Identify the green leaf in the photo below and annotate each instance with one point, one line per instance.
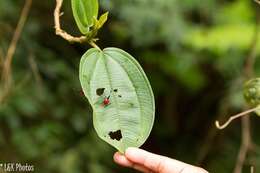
(115, 75)
(84, 12)
(102, 20)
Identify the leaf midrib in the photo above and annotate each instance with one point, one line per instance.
(111, 87)
(138, 99)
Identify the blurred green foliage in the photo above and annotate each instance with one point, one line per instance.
(193, 53)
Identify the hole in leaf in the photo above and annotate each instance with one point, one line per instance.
(100, 91)
(115, 90)
(117, 135)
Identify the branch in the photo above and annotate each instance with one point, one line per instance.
(245, 146)
(248, 73)
(7, 71)
(61, 32)
(252, 169)
(257, 1)
(10, 52)
(64, 34)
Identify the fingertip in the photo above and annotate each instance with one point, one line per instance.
(116, 156)
(122, 160)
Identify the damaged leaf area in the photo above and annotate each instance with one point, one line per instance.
(117, 135)
(100, 91)
(114, 77)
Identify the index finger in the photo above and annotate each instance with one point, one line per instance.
(159, 163)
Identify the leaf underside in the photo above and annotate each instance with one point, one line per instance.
(127, 120)
(84, 12)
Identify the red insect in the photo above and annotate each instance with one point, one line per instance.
(106, 101)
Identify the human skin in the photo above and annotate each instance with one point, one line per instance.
(147, 162)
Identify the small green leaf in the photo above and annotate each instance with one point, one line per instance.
(126, 118)
(102, 20)
(84, 12)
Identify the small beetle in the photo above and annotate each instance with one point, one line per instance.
(106, 101)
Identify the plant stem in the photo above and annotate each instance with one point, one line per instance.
(64, 34)
(93, 44)
(235, 117)
(6, 76)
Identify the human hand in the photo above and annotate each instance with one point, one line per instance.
(147, 162)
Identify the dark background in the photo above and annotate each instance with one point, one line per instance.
(192, 51)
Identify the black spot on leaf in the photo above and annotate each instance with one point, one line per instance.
(115, 90)
(100, 91)
(117, 135)
(119, 96)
